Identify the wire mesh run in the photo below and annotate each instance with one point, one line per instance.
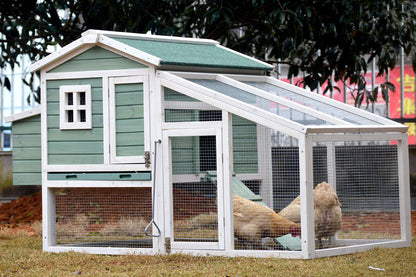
(356, 190)
(103, 217)
(355, 186)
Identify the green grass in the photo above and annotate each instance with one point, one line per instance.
(22, 255)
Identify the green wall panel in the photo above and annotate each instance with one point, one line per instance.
(27, 166)
(97, 58)
(26, 141)
(130, 125)
(131, 139)
(172, 95)
(129, 110)
(185, 155)
(95, 134)
(27, 179)
(64, 147)
(75, 159)
(83, 146)
(29, 153)
(244, 146)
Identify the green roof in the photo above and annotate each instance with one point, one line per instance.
(194, 54)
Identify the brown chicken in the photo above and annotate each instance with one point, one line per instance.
(253, 221)
(328, 216)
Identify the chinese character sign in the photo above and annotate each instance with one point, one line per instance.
(409, 98)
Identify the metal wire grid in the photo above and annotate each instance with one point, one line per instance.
(103, 217)
(367, 183)
(194, 190)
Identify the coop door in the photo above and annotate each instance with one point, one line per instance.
(194, 174)
(129, 119)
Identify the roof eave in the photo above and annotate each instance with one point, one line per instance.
(22, 115)
(73, 46)
(95, 39)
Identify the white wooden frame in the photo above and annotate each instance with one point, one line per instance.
(188, 105)
(167, 163)
(113, 81)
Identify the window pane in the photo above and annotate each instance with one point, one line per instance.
(70, 116)
(70, 99)
(82, 116)
(82, 98)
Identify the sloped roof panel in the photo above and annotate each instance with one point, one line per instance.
(194, 54)
(261, 102)
(291, 108)
(314, 104)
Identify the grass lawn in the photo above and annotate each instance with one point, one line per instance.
(22, 255)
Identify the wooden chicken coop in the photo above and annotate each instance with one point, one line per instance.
(149, 144)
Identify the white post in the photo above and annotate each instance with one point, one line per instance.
(404, 190)
(227, 144)
(306, 197)
(331, 166)
(264, 150)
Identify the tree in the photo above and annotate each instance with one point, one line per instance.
(323, 39)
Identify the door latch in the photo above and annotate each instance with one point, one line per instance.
(147, 158)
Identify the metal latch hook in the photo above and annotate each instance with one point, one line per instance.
(153, 199)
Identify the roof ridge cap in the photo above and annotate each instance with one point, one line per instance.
(127, 35)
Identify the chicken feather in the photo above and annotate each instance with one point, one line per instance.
(253, 221)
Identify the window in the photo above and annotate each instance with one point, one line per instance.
(75, 107)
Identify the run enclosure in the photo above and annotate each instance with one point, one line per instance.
(236, 148)
(300, 140)
(266, 141)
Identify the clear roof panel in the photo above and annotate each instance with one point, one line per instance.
(312, 103)
(260, 102)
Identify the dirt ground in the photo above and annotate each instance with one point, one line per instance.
(21, 213)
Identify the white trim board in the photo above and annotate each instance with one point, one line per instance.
(22, 115)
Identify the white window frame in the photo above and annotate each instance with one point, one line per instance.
(113, 81)
(75, 107)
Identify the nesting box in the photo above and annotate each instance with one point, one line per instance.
(149, 144)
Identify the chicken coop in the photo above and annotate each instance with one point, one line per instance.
(150, 144)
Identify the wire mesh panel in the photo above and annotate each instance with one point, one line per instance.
(356, 190)
(194, 189)
(367, 182)
(269, 184)
(103, 217)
